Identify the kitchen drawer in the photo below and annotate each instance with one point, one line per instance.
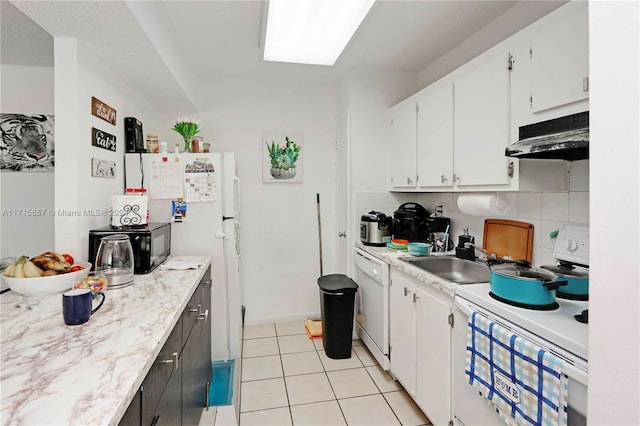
(192, 311)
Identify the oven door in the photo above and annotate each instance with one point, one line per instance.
(469, 408)
(372, 305)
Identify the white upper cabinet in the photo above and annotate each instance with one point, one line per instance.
(403, 146)
(559, 55)
(482, 123)
(435, 138)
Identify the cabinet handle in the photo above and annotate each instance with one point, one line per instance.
(585, 84)
(173, 360)
(198, 311)
(456, 177)
(406, 291)
(206, 396)
(415, 297)
(204, 316)
(409, 181)
(443, 179)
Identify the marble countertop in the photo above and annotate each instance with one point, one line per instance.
(423, 277)
(88, 374)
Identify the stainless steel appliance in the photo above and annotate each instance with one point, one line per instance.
(151, 244)
(564, 138)
(372, 305)
(561, 332)
(115, 260)
(375, 229)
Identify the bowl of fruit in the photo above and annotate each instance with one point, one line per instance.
(45, 274)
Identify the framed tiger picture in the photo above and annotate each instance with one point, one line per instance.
(27, 142)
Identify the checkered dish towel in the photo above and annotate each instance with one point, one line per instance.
(522, 381)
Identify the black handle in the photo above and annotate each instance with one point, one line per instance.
(523, 263)
(554, 285)
(416, 207)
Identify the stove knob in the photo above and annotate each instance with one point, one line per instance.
(572, 245)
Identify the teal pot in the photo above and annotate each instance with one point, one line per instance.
(577, 278)
(523, 285)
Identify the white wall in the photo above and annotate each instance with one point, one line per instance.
(279, 232)
(26, 90)
(614, 314)
(79, 75)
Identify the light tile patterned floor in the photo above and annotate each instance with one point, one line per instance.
(287, 379)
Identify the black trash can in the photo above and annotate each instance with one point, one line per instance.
(337, 297)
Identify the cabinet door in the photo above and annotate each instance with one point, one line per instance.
(433, 332)
(402, 317)
(169, 409)
(435, 138)
(481, 123)
(560, 59)
(196, 360)
(403, 147)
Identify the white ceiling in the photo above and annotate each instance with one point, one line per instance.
(172, 44)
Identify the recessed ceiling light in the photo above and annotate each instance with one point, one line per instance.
(311, 31)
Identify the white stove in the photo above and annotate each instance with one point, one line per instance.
(558, 327)
(557, 331)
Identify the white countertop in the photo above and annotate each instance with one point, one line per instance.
(88, 374)
(393, 258)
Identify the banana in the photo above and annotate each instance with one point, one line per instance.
(31, 270)
(9, 271)
(19, 271)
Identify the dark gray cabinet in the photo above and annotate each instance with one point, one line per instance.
(175, 390)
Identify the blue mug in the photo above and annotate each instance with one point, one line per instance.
(77, 305)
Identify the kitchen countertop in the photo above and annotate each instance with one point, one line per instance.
(88, 374)
(393, 259)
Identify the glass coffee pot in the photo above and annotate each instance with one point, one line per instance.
(115, 260)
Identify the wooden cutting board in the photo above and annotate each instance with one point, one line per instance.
(508, 238)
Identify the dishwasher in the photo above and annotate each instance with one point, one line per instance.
(372, 305)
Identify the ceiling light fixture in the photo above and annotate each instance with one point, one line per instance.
(311, 31)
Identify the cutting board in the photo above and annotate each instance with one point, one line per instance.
(508, 238)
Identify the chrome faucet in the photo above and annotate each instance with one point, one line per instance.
(483, 251)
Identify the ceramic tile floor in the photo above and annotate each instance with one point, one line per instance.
(288, 379)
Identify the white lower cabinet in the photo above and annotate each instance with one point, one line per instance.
(421, 344)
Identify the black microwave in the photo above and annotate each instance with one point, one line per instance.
(151, 244)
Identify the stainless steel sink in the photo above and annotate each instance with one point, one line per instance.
(451, 268)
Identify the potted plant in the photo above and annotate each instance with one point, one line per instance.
(187, 128)
(283, 158)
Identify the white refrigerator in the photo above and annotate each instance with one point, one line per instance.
(208, 184)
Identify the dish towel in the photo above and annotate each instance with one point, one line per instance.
(522, 381)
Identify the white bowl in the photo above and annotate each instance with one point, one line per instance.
(44, 286)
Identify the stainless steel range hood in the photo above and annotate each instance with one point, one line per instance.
(564, 138)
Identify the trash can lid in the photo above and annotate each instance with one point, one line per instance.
(337, 283)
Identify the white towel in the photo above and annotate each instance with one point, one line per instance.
(522, 381)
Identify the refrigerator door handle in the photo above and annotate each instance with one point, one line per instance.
(223, 234)
(236, 188)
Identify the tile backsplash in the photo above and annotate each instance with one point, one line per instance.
(547, 211)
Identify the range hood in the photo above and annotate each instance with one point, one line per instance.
(564, 138)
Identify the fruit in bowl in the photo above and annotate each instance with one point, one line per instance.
(93, 280)
(25, 277)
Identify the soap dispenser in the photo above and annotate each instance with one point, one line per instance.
(463, 252)
(465, 238)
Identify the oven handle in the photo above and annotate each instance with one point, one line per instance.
(577, 374)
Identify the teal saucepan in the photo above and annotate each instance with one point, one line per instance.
(577, 278)
(522, 284)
